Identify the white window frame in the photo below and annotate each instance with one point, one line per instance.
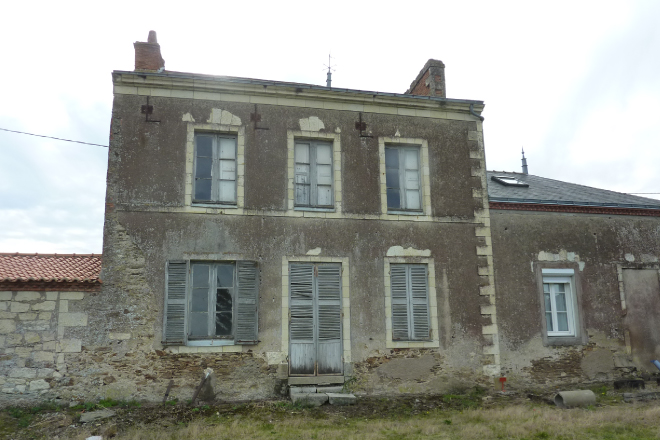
(312, 174)
(217, 171)
(401, 173)
(554, 278)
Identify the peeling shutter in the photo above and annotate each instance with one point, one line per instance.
(328, 284)
(174, 322)
(247, 299)
(301, 319)
(398, 286)
(419, 301)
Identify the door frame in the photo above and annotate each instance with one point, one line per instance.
(345, 303)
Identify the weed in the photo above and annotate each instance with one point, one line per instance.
(172, 402)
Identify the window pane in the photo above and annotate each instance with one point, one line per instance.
(325, 195)
(200, 300)
(225, 275)
(302, 194)
(324, 174)
(562, 321)
(411, 159)
(202, 189)
(392, 178)
(228, 170)
(302, 153)
(227, 191)
(302, 173)
(392, 158)
(323, 154)
(393, 198)
(223, 324)
(548, 304)
(560, 302)
(412, 180)
(200, 276)
(412, 200)
(204, 146)
(203, 167)
(199, 324)
(223, 300)
(548, 321)
(227, 148)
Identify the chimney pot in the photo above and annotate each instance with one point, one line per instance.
(147, 55)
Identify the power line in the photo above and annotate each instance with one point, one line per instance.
(51, 137)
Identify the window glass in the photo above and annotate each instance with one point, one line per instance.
(402, 178)
(215, 169)
(313, 180)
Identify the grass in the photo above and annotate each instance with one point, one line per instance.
(522, 422)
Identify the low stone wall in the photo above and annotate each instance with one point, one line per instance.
(34, 342)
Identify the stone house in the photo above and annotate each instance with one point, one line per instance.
(44, 304)
(291, 234)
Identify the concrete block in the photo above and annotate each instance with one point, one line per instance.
(310, 399)
(39, 384)
(327, 390)
(301, 390)
(20, 389)
(69, 346)
(44, 306)
(32, 337)
(7, 326)
(96, 415)
(5, 295)
(51, 296)
(17, 307)
(2, 342)
(23, 373)
(341, 399)
(43, 356)
(72, 295)
(72, 319)
(27, 296)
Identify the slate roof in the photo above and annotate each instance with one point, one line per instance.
(554, 192)
(50, 268)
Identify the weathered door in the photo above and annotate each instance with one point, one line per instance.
(315, 319)
(642, 290)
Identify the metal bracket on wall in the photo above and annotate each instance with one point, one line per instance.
(148, 109)
(256, 117)
(361, 125)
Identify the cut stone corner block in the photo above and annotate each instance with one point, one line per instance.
(311, 399)
(341, 399)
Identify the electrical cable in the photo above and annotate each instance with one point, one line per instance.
(51, 137)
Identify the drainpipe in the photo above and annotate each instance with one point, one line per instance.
(473, 113)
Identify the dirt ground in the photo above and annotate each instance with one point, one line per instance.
(56, 422)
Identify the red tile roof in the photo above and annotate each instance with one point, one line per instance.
(84, 268)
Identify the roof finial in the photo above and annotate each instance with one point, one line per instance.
(524, 162)
(328, 81)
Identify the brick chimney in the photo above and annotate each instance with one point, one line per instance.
(147, 55)
(430, 81)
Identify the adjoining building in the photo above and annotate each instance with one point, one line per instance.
(292, 234)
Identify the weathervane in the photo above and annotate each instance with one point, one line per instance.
(328, 81)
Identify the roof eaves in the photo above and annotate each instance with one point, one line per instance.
(572, 203)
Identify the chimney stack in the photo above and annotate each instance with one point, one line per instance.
(430, 81)
(147, 55)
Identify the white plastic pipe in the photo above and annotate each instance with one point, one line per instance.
(571, 399)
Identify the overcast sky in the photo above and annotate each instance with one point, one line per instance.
(576, 83)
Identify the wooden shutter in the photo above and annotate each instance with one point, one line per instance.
(302, 355)
(398, 289)
(329, 339)
(419, 300)
(247, 299)
(174, 322)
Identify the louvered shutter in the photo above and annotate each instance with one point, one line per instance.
(419, 300)
(247, 299)
(174, 322)
(328, 292)
(301, 319)
(398, 288)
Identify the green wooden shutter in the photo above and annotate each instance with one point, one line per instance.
(419, 300)
(247, 300)
(174, 321)
(398, 289)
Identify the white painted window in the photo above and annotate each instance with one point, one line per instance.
(211, 303)
(403, 178)
(559, 301)
(215, 169)
(313, 174)
(410, 302)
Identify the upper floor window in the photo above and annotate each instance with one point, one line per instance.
(215, 169)
(402, 178)
(313, 174)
